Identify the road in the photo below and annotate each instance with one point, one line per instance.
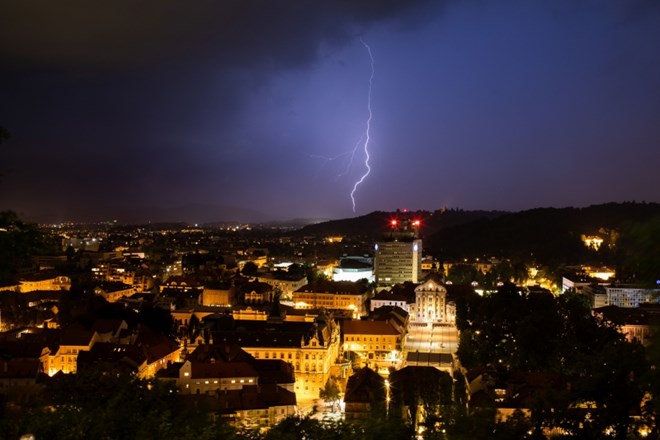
(439, 338)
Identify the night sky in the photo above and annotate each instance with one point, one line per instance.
(130, 106)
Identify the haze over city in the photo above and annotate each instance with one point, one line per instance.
(123, 107)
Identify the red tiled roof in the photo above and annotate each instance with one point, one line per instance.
(369, 328)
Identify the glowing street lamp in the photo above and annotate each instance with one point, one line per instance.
(387, 398)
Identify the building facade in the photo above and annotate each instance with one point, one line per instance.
(430, 303)
(378, 343)
(311, 348)
(398, 256)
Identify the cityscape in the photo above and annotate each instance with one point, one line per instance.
(369, 220)
(256, 331)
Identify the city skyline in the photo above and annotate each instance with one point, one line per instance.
(259, 105)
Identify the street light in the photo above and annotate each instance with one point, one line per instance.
(387, 398)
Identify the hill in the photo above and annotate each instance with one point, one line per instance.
(547, 235)
(373, 225)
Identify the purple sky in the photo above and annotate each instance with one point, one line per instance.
(482, 104)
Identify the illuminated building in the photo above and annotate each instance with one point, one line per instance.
(310, 347)
(430, 303)
(64, 358)
(286, 285)
(387, 298)
(592, 241)
(218, 294)
(377, 342)
(113, 292)
(354, 269)
(45, 280)
(630, 296)
(256, 292)
(333, 295)
(398, 257)
(634, 323)
(255, 391)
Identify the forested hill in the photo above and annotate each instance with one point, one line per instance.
(376, 223)
(551, 235)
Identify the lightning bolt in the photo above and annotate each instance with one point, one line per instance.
(365, 136)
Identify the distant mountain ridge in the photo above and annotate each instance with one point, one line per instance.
(190, 213)
(542, 234)
(376, 223)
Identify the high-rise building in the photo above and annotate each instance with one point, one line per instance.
(398, 256)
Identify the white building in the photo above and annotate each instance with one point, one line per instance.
(354, 269)
(430, 303)
(630, 296)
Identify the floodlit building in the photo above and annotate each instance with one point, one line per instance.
(630, 296)
(430, 303)
(248, 391)
(113, 291)
(398, 256)
(386, 298)
(218, 294)
(354, 269)
(333, 295)
(634, 323)
(64, 357)
(285, 284)
(45, 280)
(310, 347)
(378, 343)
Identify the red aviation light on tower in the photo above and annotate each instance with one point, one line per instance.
(394, 222)
(416, 223)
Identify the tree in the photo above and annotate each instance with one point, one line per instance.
(95, 404)
(296, 270)
(19, 242)
(331, 392)
(249, 269)
(642, 245)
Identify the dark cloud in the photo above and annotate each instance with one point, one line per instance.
(125, 33)
(478, 104)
